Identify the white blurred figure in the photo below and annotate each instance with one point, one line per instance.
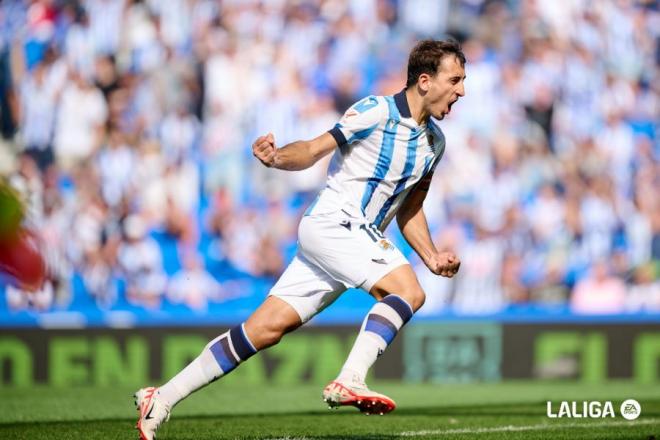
(224, 62)
(116, 163)
(599, 293)
(223, 155)
(317, 114)
(478, 284)
(483, 80)
(179, 130)
(39, 301)
(503, 188)
(37, 110)
(81, 115)
(617, 142)
(598, 217)
(644, 294)
(303, 35)
(79, 46)
(172, 198)
(141, 261)
(546, 214)
(193, 285)
(425, 17)
(174, 20)
(140, 38)
(105, 23)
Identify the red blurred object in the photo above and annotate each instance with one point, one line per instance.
(21, 259)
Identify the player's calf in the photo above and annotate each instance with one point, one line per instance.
(379, 329)
(220, 356)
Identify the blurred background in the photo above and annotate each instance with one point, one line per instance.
(127, 129)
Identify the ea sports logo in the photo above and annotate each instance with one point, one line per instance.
(630, 409)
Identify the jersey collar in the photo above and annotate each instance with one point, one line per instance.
(402, 104)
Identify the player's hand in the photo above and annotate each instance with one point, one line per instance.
(445, 264)
(264, 149)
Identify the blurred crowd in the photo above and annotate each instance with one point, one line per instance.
(127, 124)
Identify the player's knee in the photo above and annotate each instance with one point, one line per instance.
(272, 337)
(419, 297)
(271, 332)
(266, 335)
(415, 297)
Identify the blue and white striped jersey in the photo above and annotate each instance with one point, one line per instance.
(382, 154)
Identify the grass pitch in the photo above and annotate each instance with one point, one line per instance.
(513, 410)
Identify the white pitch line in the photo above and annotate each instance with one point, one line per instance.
(289, 438)
(513, 428)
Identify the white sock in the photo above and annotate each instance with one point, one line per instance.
(379, 328)
(219, 357)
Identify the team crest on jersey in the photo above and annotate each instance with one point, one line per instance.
(385, 245)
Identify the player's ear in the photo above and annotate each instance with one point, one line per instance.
(423, 82)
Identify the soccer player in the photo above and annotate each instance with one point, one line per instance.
(385, 151)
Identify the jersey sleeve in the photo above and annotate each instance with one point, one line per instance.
(359, 121)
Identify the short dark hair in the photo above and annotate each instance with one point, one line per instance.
(427, 55)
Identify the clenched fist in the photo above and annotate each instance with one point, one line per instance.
(445, 264)
(264, 149)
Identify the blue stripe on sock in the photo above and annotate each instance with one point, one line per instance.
(400, 306)
(241, 345)
(381, 326)
(223, 355)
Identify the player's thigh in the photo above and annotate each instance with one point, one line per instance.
(351, 251)
(306, 288)
(403, 282)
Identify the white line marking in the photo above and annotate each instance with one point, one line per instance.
(513, 428)
(289, 438)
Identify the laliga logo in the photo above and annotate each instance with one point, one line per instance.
(630, 410)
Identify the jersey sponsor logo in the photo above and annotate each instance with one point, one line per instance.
(379, 260)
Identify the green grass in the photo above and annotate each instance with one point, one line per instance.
(513, 410)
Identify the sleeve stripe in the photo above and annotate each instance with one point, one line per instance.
(336, 133)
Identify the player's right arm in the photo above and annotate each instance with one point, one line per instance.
(359, 121)
(295, 156)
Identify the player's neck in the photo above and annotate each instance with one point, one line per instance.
(416, 106)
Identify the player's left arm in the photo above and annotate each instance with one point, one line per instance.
(414, 227)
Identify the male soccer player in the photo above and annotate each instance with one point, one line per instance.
(386, 149)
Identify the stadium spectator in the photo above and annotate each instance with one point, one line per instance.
(599, 293)
(140, 259)
(81, 116)
(193, 285)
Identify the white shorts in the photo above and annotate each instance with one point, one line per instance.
(336, 251)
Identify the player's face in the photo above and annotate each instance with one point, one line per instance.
(444, 89)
